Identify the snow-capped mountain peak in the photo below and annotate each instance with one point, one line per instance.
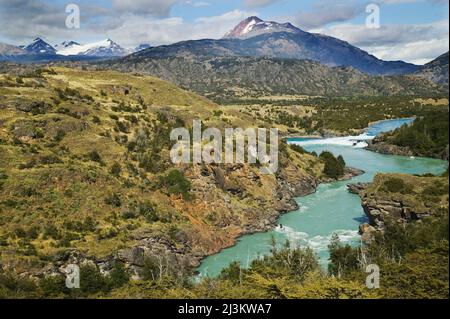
(141, 47)
(65, 44)
(39, 46)
(104, 48)
(254, 26)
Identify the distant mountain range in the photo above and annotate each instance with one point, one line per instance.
(260, 57)
(224, 79)
(105, 48)
(10, 50)
(436, 70)
(254, 37)
(41, 51)
(253, 40)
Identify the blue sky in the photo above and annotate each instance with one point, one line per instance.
(411, 30)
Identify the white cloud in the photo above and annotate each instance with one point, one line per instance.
(419, 52)
(170, 30)
(417, 43)
(158, 8)
(326, 12)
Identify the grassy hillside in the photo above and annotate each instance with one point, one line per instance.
(227, 78)
(85, 177)
(436, 70)
(85, 173)
(412, 256)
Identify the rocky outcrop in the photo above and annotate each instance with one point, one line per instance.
(357, 188)
(379, 210)
(400, 198)
(420, 198)
(379, 146)
(367, 233)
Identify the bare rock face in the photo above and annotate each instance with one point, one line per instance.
(367, 233)
(381, 147)
(421, 198)
(133, 256)
(378, 210)
(357, 188)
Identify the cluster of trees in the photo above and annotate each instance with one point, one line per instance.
(94, 283)
(334, 167)
(427, 136)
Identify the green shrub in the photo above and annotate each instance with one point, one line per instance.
(333, 167)
(298, 149)
(114, 200)
(116, 169)
(436, 190)
(96, 120)
(14, 286)
(60, 134)
(91, 280)
(50, 231)
(341, 161)
(396, 185)
(107, 233)
(148, 211)
(343, 258)
(176, 184)
(54, 286)
(50, 159)
(118, 276)
(232, 273)
(95, 157)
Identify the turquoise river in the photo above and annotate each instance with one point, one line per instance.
(332, 209)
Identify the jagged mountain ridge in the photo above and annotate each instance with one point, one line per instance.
(39, 46)
(254, 26)
(437, 70)
(105, 48)
(40, 51)
(258, 38)
(256, 76)
(8, 50)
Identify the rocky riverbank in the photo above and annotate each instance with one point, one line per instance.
(229, 201)
(188, 249)
(400, 198)
(379, 146)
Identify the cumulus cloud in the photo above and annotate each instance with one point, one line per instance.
(22, 20)
(148, 21)
(170, 30)
(417, 43)
(327, 12)
(158, 8)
